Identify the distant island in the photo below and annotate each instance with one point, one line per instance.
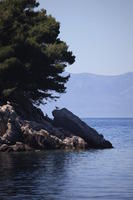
(91, 95)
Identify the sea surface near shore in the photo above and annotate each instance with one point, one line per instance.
(74, 175)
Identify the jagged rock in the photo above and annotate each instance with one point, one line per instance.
(66, 119)
(5, 147)
(75, 142)
(42, 140)
(7, 114)
(28, 129)
(13, 132)
(3, 125)
(19, 146)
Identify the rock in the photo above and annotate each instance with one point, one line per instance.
(13, 132)
(7, 114)
(19, 146)
(5, 147)
(3, 125)
(28, 129)
(42, 140)
(75, 142)
(66, 119)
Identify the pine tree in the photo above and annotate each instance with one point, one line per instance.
(32, 56)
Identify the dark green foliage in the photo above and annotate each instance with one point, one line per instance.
(32, 57)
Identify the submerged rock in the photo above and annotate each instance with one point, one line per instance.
(66, 131)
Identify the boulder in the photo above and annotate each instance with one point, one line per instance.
(19, 146)
(28, 130)
(7, 114)
(66, 119)
(6, 148)
(42, 140)
(75, 142)
(13, 132)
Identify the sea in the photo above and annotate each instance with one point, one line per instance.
(73, 175)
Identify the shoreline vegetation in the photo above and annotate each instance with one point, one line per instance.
(30, 130)
(32, 61)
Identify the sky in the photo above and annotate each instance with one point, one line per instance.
(99, 32)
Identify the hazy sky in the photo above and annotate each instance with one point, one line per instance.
(99, 32)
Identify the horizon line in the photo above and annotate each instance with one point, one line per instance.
(89, 73)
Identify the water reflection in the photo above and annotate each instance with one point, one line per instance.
(59, 175)
(37, 174)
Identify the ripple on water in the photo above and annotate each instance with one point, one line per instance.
(95, 174)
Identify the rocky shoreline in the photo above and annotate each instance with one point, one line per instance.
(22, 130)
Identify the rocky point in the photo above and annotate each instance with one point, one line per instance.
(28, 131)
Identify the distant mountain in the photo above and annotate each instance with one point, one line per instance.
(90, 95)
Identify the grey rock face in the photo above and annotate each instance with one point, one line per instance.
(74, 124)
(75, 142)
(66, 131)
(10, 130)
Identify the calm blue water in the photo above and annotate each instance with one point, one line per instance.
(59, 175)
